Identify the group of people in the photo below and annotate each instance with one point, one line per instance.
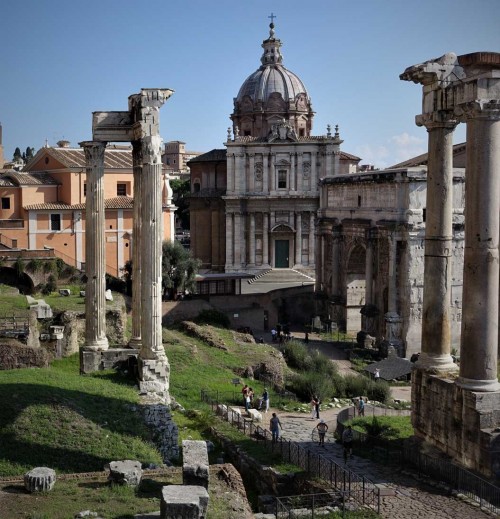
(315, 403)
(248, 397)
(281, 334)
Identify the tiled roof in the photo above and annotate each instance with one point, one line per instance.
(27, 178)
(348, 156)
(215, 154)
(421, 160)
(75, 157)
(119, 202)
(6, 181)
(390, 368)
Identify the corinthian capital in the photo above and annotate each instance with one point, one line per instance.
(479, 109)
(437, 119)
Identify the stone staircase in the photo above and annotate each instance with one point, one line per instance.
(285, 276)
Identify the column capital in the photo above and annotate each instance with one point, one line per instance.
(94, 152)
(151, 149)
(479, 109)
(439, 119)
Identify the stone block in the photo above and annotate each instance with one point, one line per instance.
(255, 415)
(126, 472)
(385, 491)
(40, 479)
(65, 292)
(195, 466)
(183, 502)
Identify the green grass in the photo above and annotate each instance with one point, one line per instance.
(391, 427)
(56, 417)
(12, 303)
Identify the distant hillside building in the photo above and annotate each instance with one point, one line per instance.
(43, 206)
(176, 158)
(253, 204)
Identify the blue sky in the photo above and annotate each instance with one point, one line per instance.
(61, 61)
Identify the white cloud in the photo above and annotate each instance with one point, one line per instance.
(396, 149)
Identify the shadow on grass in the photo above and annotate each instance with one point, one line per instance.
(73, 430)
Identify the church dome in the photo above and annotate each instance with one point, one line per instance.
(270, 95)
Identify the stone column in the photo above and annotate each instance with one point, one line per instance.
(312, 246)
(135, 341)
(314, 171)
(154, 370)
(265, 173)
(251, 172)
(300, 171)
(479, 340)
(436, 321)
(229, 242)
(237, 241)
(292, 171)
(95, 256)
(336, 261)
(230, 172)
(318, 255)
(392, 318)
(251, 249)
(298, 239)
(265, 239)
(369, 269)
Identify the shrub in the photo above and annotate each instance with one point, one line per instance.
(379, 391)
(19, 266)
(310, 383)
(116, 284)
(214, 318)
(35, 265)
(50, 286)
(296, 355)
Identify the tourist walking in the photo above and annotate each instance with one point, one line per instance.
(322, 428)
(318, 402)
(274, 426)
(361, 407)
(347, 438)
(313, 408)
(306, 338)
(265, 400)
(376, 375)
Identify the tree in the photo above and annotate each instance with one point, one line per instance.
(181, 188)
(178, 268)
(28, 154)
(17, 154)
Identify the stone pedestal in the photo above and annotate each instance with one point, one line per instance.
(183, 501)
(154, 376)
(195, 464)
(126, 472)
(40, 479)
(459, 422)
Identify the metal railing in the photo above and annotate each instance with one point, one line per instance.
(463, 481)
(355, 487)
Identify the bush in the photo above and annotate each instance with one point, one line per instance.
(116, 284)
(379, 391)
(361, 386)
(214, 318)
(50, 286)
(310, 383)
(296, 355)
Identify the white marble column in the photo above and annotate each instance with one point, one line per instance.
(265, 239)
(329, 164)
(154, 370)
(95, 255)
(135, 341)
(229, 242)
(392, 285)
(298, 239)
(436, 321)
(251, 249)
(479, 340)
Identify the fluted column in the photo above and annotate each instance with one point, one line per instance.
(479, 340)
(243, 239)
(300, 172)
(436, 321)
(95, 256)
(314, 171)
(237, 241)
(292, 171)
(392, 285)
(135, 341)
(298, 239)
(318, 255)
(265, 239)
(230, 172)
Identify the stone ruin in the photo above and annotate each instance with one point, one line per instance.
(459, 412)
(140, 126)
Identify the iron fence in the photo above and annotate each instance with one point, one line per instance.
(355, 487)
(461, 480)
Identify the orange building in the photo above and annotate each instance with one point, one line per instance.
(43, 206)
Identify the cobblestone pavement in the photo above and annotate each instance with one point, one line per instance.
(413, 499)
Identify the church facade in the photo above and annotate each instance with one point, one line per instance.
(254, 204)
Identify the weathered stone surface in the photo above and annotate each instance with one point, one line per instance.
(166, 432)
(40, 479)
(195, 467)
(183, 502)
(126, 472)
(255, 415)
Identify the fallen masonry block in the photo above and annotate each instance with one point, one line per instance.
(40, 479)
(183, 501)
(195, 463)
(255, 415)
(126, 472)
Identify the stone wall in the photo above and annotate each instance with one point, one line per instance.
(15, 355)
(166, 433)
(459, 422)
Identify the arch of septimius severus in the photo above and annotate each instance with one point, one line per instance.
(140, 126)
(460, 412)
